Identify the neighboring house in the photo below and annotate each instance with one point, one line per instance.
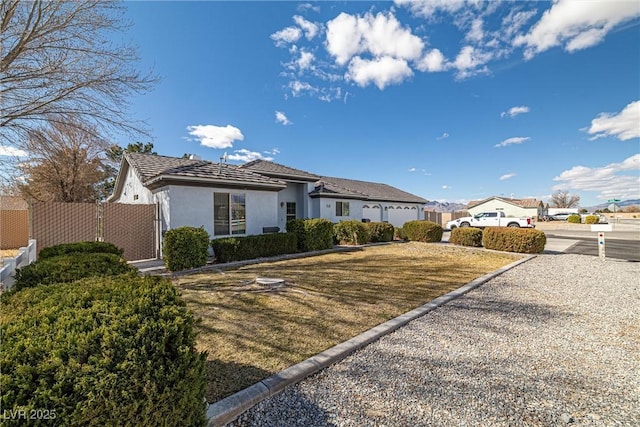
(253, 198)
(512, 207)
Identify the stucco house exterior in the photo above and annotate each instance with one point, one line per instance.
(252, 198)
(532, 208)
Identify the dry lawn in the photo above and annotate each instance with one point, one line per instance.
(251, 331)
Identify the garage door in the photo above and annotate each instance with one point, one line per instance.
(372, 212)
(401, 214)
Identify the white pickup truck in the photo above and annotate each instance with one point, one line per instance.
(490, 219)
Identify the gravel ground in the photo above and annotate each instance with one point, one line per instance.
(554, 341)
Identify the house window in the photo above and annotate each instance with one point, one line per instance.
(291, 211)
(229, 214)
(342, 208)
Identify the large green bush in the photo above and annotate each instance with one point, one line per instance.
(380, 231)
(250, 247)
(185, 247)
(116, 351)
(70, 267)
(296, 226)
(523, 240)
(422, 231)
(79, 247)
(592, 219)
(467, 236)
(574, 219)
(351, 232)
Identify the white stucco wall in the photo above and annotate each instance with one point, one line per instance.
(328, 209)
(193, 206)
(507, 208)
(133, 187)
(296, 193)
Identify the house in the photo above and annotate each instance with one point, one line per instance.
(253, 198)
(512, 207)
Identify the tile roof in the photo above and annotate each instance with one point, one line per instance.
(275, 169)
(523, 203)
(152, 167)
(363, 190)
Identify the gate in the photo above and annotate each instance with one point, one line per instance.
(130, 227)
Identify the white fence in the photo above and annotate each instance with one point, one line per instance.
(26, 256)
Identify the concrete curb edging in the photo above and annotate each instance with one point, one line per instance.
(226, 410)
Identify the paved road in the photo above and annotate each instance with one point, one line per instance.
(614, 248)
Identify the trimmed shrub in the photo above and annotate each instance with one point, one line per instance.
(71, 267)
(467, 236)
(380, 231)
(108, 351)
(422, 231)
(523, 240)
(79, 247)
(185, 247)
(296, 226)
(318, 234)
(250, 247)
(591, 219)
(574, 219)
(351, 232)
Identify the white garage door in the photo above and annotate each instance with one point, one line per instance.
(401, 214)
(372, 212)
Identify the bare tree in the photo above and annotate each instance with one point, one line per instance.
(59, 64)
(562, 199)
(66, 164)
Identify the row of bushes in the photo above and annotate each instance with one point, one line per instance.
(99, 345)
(589, 219)
(522, 240)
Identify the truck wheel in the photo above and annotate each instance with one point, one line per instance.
(453, 227)
(464, 224)
(514, 225)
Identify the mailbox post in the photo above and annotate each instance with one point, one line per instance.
(601, 245)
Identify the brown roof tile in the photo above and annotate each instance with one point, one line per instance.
(363, 190)
(277, 170)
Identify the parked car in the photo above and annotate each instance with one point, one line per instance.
(561, 216)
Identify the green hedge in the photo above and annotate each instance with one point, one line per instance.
(351, 232)
(380, 231)
(250, 247)
(79, 247)
(467, 236)
(108, 351)
(312, 234)
(592, 219)
(185, 247)
(422, 231)
(523, 240)
(71, 267)
(574, 219)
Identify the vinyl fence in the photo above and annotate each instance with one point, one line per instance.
(442, 218)
(26, 255)
(14, 228)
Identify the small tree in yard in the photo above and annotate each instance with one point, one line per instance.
(562, 199)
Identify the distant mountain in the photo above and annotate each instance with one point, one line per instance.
(437, 206)
(622, 204)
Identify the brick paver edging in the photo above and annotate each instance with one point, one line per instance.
(229, 408)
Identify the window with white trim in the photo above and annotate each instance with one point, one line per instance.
(342, 208)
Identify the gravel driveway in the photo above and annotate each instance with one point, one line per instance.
(554, 341)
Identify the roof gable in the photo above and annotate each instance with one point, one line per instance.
(522, 203)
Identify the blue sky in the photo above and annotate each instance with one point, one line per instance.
(449, 100)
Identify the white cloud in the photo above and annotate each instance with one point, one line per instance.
(216, 136)
(432, 61)
(511, 141)
(624, 125)
(381, 71)
(411, 169)
(443, 136)
(272, 152)
(307, 7)
(12, 151)
(514, 111)
(282, 118)
(446, 187)
(611, 181)
(428, 8)
(475, 34)
(575, 24)
(305, 60)
(310, 29)
(298, 87)
(380, 36)
(507, 176)
(470, 61)
(245, 155)
(287, 35)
